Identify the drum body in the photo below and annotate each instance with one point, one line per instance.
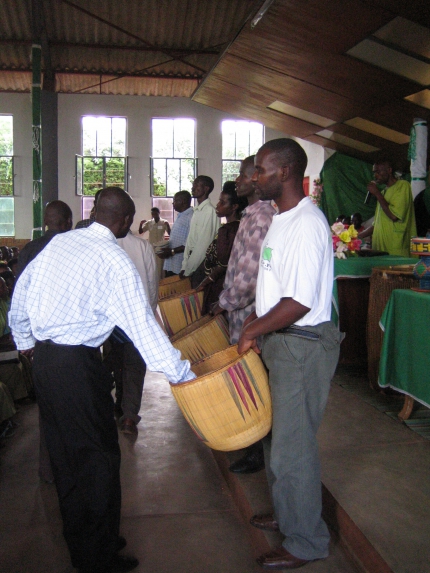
(228, 405)
(180, 310)
(173, 285)
(382, 282)
(204, 337)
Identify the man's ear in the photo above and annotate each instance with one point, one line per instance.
(285, 172)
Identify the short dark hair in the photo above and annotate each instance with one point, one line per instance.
(288, 152)
(207, 182)
(184, 196)
(229, 188)
(384, 161)
(155, 209)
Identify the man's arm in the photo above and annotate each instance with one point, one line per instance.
(385, 206)
(282, 315)
(19, 321)
(143, 226)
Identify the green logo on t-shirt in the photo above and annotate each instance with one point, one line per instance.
(267, 254)
(266, 258)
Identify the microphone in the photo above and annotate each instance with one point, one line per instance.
(366, 200)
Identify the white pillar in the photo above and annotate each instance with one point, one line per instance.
(418, 155)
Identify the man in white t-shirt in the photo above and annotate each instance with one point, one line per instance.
(300, 347)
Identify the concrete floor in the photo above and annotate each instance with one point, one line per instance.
(179, 514)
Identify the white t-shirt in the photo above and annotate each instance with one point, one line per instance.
(296, 261)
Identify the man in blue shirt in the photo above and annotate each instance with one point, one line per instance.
(174, 252)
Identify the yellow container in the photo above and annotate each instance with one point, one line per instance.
(180, 310)
(173, 285)
(228, 405)
(207, 335)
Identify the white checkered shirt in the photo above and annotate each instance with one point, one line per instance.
(78, 289)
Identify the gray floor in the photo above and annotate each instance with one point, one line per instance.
(179, 515)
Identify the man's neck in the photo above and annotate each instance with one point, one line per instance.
(252, 198)
(201, 199)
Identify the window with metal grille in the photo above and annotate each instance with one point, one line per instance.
(173, 163)
(240, 139)
(103, 162)
(7, 202)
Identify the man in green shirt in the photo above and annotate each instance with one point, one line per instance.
(394, 223)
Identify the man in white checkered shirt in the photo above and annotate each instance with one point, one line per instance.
(66, 304)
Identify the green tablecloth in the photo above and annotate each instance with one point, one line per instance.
(405, 356)
(361, 267)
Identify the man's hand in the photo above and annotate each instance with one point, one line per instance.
(165, 253)
(245, 343)
(182, 275)
(373, 189)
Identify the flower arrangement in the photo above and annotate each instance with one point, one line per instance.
(316, 192)
(345, 242)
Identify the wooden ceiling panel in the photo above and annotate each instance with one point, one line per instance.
(338, 73)
(224, 96)
(271, 86)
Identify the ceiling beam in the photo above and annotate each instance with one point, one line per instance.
(178, 51)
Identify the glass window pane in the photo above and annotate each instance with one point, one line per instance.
(89, 135)
(6, 135)
(166, 208)
(118, 136)
(242, 139)
(7, 227)
(188, 170)
(115, 172)
(87, 205)
(173, 176)
(184, 138)
(6, 176)
(159, 177)
(230, 170)
(162, 138)
(93, 174)
(228, 129)
(255, 137)
(104, 136)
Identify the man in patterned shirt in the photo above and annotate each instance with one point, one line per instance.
(238, 296)
(65, 305)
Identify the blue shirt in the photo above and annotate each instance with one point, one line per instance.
(178, 237)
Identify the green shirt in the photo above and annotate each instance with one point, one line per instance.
(395, 236)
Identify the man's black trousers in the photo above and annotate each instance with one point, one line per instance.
(73, 390)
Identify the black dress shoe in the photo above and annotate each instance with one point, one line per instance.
(252, 461)
(121, 564)
(280, 558)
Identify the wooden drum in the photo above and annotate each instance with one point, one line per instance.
(180, 310)
(382, 282)
(228, 405)
(204, 337)
(173, 285)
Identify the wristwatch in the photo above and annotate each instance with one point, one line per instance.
(173, 252)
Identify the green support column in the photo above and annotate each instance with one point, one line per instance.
(36, 58)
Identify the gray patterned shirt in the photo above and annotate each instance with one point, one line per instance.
(238, 296)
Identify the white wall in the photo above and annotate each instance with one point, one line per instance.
(139, 112)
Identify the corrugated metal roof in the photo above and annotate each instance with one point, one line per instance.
(170, 44)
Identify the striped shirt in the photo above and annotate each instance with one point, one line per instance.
(78, 289)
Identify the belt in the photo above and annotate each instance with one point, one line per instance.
(300, 332)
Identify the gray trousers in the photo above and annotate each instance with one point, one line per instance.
(300, 371)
